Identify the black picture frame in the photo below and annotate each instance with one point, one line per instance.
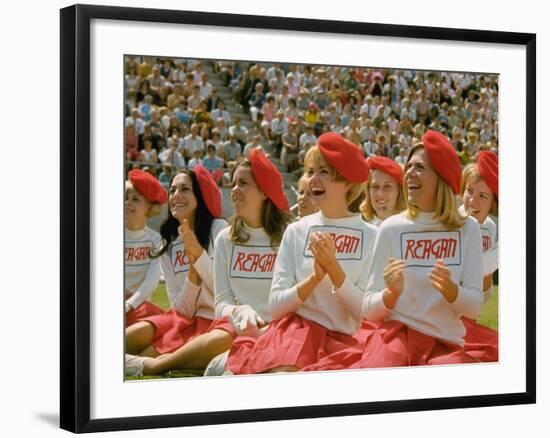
(75, 216)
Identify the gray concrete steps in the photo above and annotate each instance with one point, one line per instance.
(234, 109)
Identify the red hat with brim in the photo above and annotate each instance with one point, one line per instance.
(148, 186)
(487, 165)
(344, 156)
(209, 191)
(388, 166)
(268, 178)
(444, 158)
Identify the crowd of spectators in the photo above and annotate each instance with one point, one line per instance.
(175, 117)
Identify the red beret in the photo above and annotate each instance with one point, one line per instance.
(388, 166)
(268, 178)
(444, 158)
(148, 186)
(487, 165)
(209, 190)
(344, 156)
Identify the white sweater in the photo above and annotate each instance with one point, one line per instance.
(243, 272)
(490, 244)
(188, 298)
(420, 242)
(141, 272)
(338, 310)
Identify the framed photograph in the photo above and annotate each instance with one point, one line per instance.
(137, 84)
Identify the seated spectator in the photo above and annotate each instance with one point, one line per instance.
(201, 117)
(402, 157)
(291, 113)
(282, 99)
(194, 100)
(213, 100)
(368, 107)
(239, 131)
(192, 142)
(308, 137)
(366, 130)
(148, 154)
(212, 162)
(312, 115)
(165, 176)
(131, 143)
(205, 87)
(369, 147)
(269, 110)
(178, 74)
(256, 101)
(136, 120)
(289, 154)
(217, 142)
(302, 102)
(232, 149)
(279, 125)
(321, 99)
(255, 144)
(292, 85)
(146, 107)
(171, 156)
(220, 111)
(196, 160)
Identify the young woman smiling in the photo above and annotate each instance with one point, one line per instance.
(384, 195)
(187, 336)
(320, 271)
(479, 191)
(246, 251)
(426, 271)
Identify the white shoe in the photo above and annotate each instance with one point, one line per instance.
(133, 365)
(216, 367)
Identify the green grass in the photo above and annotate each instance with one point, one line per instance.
(489, 315)
(160, 297)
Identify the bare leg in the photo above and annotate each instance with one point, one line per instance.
(149, 352)
(194, 355)
(139, 336)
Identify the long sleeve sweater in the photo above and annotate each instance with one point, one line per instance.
(419, 243)
(141, 272)
(335, 309)
(186, 297)
(243, 272)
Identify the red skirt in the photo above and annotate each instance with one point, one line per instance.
(290, 341)
(174, 329)
(480, 341)
(394, 344)
(346, 358)
(144, 310)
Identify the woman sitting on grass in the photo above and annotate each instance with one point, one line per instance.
(144, 199)
(479, 191)
(427, 269)
(187, 336)
(384, 191)
(320, 272)
(246, 251)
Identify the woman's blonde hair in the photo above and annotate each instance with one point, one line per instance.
(154, 208)
(471, 175)
(314, 157)
(446, 207)
(366, 208)
(274, 221)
